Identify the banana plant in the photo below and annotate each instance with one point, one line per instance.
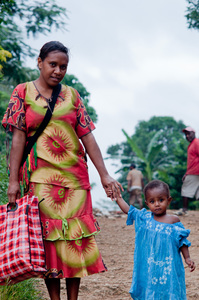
(148, 159)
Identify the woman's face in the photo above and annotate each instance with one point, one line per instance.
(53, 68)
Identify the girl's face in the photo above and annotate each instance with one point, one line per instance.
(157, 201)
(53, 68)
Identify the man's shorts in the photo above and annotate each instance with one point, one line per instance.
(190, 186)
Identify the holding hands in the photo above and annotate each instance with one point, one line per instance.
(112, 187)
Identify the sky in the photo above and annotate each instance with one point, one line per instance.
(137, 59)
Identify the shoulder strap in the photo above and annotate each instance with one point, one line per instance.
(44, 123)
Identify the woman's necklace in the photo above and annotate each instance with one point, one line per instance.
(48, 100)
(40, 95)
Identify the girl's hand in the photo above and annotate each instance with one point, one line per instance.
(190, 263)
(109, 193)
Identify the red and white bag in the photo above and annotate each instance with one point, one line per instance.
(22, 253)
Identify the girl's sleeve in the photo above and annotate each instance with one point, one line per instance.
(15, 113)
(132, 213)
(84, 123)
(181, 235)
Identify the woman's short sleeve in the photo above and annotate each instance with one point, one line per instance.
(181, 235)
(15, 113)
(84, 123)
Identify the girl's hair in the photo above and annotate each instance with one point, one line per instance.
(52, 46)
(157, 184)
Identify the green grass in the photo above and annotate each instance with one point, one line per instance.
(25, 290)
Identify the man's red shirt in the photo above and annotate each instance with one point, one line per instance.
(193, 158)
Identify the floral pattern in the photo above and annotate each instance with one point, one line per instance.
(164, 271)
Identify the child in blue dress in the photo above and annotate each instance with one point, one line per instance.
(160, 238)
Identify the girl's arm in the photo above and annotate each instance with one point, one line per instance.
(185, 252)
(16, 154)
(95, 155)
(123, 205)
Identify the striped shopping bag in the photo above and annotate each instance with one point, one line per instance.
(22, 253)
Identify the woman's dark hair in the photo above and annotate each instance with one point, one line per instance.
(52, 46)
(157, 184)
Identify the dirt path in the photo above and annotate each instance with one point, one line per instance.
(116, 243)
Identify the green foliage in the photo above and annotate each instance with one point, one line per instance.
(25, 290)
(3, 58)
(7, 8)
(193, 14)
(37, 17)
(3, 180)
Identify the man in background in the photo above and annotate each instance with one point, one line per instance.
(190, 186)
(135, 185)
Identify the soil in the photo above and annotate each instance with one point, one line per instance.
(116, 244)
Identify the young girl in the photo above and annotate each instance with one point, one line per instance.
(158, 268)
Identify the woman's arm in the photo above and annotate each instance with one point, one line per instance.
(185, 252)
(95, 155)
(16, 154)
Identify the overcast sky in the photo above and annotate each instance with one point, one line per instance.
(137, 58)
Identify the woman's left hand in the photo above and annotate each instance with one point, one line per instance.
(112, 187)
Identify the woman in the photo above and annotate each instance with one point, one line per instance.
(56, 171)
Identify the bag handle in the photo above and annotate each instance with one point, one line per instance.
(44, 123)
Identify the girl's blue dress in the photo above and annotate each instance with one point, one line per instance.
(158, 272)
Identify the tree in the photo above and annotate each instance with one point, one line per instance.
(193, 14)
(37, 17)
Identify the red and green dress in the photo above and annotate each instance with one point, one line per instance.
(56, 172)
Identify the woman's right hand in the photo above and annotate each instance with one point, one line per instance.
(14, 192)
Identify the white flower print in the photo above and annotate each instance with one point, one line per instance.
(150, 260)
(169, 260)
(177, 228)
(148, 215)
(167, 270)
(154, 280)
(160, 263)
(159, 227)
(163, 279)
(148, 224)
(168, 230)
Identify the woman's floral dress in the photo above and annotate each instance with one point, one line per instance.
(56, 172)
